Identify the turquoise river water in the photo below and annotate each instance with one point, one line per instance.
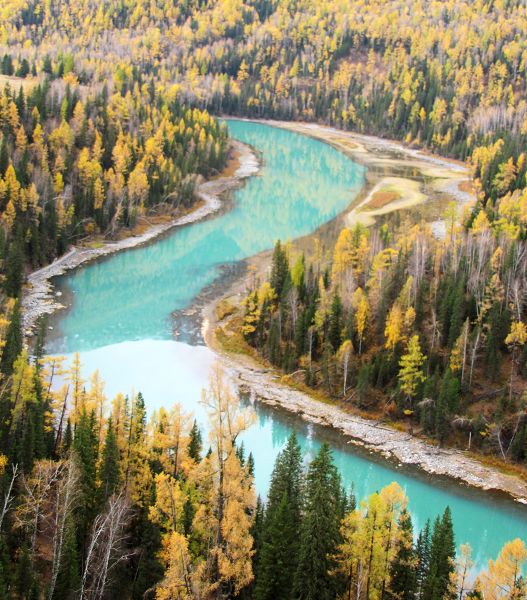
(120, 322)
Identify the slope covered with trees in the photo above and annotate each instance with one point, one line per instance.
(96, 502)
(401, 325)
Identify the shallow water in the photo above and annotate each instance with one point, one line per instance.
(120, 323)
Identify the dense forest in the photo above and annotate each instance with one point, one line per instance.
(401, 325)
(107, 114)
(100, 502)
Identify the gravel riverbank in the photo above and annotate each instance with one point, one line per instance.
(39, 297)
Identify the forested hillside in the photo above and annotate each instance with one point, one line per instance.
(98, 502)
(447, 75)
(403, 326)
(108, 112)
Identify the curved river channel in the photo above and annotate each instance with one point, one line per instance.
(120, 321)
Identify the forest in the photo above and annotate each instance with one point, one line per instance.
(102, 499)
(110, 112)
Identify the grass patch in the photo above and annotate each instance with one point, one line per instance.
(224, 309)
(382, 198)
(499, 465)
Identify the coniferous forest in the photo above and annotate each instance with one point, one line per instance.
(110, 115)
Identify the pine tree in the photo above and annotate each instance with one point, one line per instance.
(68, 575)
(195, 444)
(13, 342)
(257, 530)
(24, 574)
(109, 472)
(280, 533)
(335, 323)
(320, 532)
(15, 268)
(280, 276)
(403, 568)
(85, 446)
(442, 555)
(422, 551)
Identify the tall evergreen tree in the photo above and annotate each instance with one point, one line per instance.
(335, 322)
(280, 536)
(320, 532)
(195, 444)
(109, 471)
(403, 581)
(85, 446)
(442, 555)
(13, 341)
(280, 276)
(422, 551)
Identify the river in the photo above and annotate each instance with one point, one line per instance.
(121, 321)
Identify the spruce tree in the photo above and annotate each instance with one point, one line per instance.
(13, 341)
(68, 575)
(281, 527)
(195, 444)
(257, 533)
(85, 446)
(109, 472)
(335, 323)
(320, 532)
(280, 276)
(15, 268)
(403, 581)
(422, 551)
(442, 555)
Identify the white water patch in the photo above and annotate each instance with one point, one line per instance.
(166, 372)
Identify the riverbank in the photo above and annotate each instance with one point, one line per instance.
(413, 175)
(39, 297)
(267, 385)
(385, 191)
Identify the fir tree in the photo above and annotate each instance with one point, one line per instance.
(320, 532)
(335, 323)
(280, 276)
(195, 444)
(109, 471)
(442, 555)
(68, 575)
(85, 446)
(403, 568)
(280, 536)
(13, 341)
(15, 268)
(422, 551)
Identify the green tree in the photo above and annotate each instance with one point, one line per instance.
(13, 341)
(335, 323)
(280, 276)
(281, 526)
(109, 471)
(320, 532)
(422, 551)
(195, 444)
(442, 555)
(403, 584)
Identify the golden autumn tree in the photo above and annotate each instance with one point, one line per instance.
(503, 577)
(410, 372)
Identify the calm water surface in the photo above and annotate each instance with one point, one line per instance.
(120, 322)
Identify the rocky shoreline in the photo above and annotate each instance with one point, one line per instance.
(39, 297)
(396, 446)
